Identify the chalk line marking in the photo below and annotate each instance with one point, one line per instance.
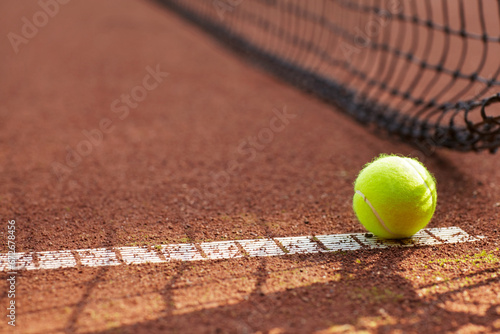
(339, 242)
(98, 257)
(219, 250)
(182, 252)
(261, 247)
(138, 255)
(55, 260)
(300, 245)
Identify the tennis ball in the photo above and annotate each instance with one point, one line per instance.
(394, 197)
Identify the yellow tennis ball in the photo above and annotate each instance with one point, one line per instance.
(394, 197)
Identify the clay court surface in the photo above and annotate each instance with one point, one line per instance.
(199, 157)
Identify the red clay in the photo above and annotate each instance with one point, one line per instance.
(153, 179)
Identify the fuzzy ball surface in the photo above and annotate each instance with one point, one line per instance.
(394, 197)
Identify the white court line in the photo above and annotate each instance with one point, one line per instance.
(217, 250)
(182, 252)
(55, 260)
(98, 257)
(300, 245)
(338, 242)
(261, 247)
(17, 261)
(137, 255)
(220, 250)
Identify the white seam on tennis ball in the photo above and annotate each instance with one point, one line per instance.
(380, 220)
(410, 162)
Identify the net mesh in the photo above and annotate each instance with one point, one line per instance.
(426, 71)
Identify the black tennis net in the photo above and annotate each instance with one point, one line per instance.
(425, 71)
